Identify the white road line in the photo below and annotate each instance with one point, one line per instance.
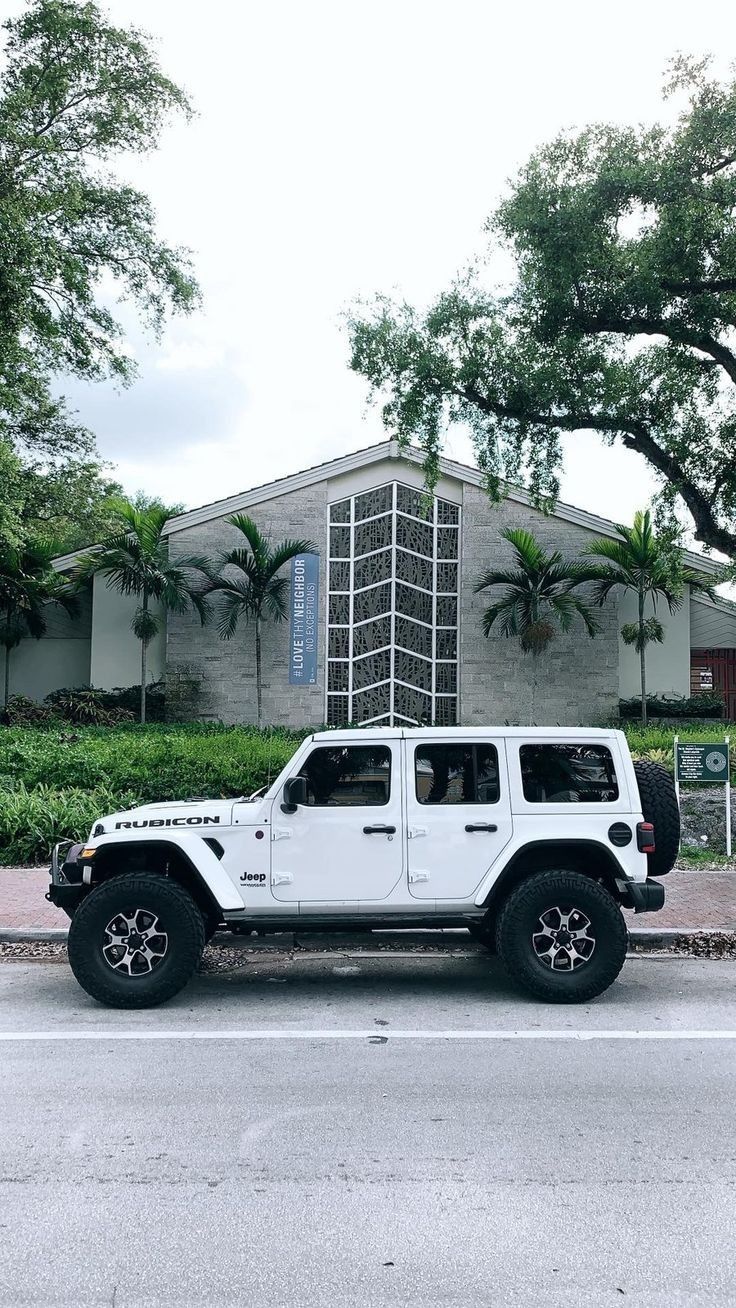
(370, 1034)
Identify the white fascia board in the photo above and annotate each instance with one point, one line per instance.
(67, 562)
(273, 489)
(390, 449)
(722, 604)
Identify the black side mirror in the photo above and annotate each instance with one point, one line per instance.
(295, 793)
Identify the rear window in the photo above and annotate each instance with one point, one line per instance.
(456, 774)
(568, 774)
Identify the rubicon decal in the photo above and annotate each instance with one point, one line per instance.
(166, 822)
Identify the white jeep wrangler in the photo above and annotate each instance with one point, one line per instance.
(532, 839)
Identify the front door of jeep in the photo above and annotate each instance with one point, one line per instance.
(458, 814)
(343, 846)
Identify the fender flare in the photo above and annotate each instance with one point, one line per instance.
(202, 861)
(492, 887)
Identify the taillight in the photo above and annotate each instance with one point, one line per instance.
(645, 837)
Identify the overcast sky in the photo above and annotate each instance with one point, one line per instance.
(342, 149)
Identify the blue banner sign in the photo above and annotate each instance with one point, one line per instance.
(303, 630)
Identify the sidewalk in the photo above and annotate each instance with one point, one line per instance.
(694, 901)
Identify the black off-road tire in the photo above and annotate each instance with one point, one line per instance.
(659, 806)
(180, 918)
(518, 922)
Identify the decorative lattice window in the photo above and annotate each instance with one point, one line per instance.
(373, 568)
(339, 609)
(375, 534)
(392, 608)
(372, 603)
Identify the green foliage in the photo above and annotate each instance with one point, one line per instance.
(81, 773)
(31, 821)
(69, 506)
(75, 92)
(708, 704)
(642, 634)
(87, 707)
(155, 762)
(656, 742)
(28, 586)
(135, 560)
(20, 711)
(537, 594)
(620, 321)
(652, 568)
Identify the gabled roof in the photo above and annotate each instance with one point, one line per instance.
(391, 450)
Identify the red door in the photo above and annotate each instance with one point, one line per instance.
(715, 669)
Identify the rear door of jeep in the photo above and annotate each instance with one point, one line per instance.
(575, 789)
(458, 812)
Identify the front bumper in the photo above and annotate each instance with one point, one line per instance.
(67, 888)
(644, 896)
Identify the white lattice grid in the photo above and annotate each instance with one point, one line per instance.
(392, 616)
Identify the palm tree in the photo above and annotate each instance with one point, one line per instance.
(650, 567)
(135, 560)
(28, 584)
(537, 597)
(252, 588)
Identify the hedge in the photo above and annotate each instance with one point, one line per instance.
(53, 783)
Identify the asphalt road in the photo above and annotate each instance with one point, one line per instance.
(401, 1132)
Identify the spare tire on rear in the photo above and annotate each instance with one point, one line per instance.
(659, 806)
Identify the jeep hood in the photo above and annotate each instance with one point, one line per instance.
(180, 815)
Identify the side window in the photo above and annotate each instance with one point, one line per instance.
(348, 775)
(568, 774)
(456, 774)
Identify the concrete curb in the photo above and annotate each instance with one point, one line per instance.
(641, 939)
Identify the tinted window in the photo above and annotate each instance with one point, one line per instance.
(456, 774)
(568, 774)
(348, 775)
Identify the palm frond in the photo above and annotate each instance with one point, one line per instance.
(231, 606)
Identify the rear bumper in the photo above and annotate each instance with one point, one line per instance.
(644, 896)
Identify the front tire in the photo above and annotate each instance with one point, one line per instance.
(136, 940)
(561, 935)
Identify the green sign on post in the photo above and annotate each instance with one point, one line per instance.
(702, 763)
(709, 763)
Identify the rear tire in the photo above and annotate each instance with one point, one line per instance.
(562, 937)
(135, 940)
(659, 806)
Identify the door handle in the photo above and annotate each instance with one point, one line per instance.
(379, 831)
(481, 826)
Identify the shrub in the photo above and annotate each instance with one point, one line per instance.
(708, 704)
(55, 781)
(87, 707)
(20, 711)
(31, 821)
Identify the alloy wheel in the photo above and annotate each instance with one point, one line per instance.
(563, 939)
(134, 942)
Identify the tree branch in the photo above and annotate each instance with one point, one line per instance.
(598, 323)
(717, 285)
(635, 436)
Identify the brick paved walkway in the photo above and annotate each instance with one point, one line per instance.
(694, 899)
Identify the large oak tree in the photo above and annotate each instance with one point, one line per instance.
(76, 93)
(621, 320)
